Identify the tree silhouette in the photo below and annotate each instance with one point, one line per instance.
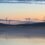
(6, 20)
(43, 19)
(27, 19)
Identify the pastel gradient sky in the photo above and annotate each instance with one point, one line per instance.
(20, 10)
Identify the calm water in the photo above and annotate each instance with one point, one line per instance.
(22, 35)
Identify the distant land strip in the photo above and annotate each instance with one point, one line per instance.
(33, 24)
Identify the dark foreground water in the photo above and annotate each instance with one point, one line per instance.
(22, 35)
(23, 31)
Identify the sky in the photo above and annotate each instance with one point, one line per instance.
(19, 11)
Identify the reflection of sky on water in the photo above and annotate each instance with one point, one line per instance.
(23, 41)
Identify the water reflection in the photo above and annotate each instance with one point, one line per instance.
(23, 41)
(7, 37)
